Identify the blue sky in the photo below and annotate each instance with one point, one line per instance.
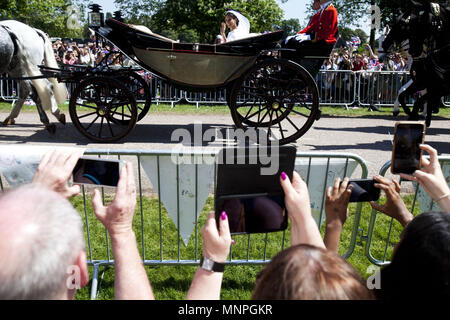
(292, 9)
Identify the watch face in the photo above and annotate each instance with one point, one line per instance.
(207, 264)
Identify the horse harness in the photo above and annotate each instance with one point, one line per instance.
(13, 38)
(15, 60)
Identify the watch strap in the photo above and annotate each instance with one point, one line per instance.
(211, 265)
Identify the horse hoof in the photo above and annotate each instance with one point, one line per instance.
(51, 128)
(62, 118)
(9, 122)
(395, 113)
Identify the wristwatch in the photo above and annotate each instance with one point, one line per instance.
(211, 265)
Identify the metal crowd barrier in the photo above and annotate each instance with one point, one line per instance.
(9, 90)
(336, 88)
(380, 88)
(378, 222)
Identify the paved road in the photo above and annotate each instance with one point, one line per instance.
(369, 137)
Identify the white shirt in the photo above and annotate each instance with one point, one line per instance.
(323, 7)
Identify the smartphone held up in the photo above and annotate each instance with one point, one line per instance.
(406, 153)
(253, 202)
(96, 171)
(363, 190)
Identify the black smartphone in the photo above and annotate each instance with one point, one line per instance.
(406, 154)
(251, 196)
(97, 171)
(364, 190)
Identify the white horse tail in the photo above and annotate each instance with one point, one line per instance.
(59, 88)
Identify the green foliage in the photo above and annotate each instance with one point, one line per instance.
(290, 26)
(49, 16)
(347, 33)
(198, 21)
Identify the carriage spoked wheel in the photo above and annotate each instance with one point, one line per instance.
(141, 92)
(278, 97)
(103, 109)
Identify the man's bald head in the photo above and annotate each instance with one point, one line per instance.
(41, 235)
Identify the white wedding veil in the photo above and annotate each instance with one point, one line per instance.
(244, 25)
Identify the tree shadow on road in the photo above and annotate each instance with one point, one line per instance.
(188, 134)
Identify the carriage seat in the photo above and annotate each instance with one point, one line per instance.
(309, 55)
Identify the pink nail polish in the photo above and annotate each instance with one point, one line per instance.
(283, 176)
(223, 215)
(233, 242)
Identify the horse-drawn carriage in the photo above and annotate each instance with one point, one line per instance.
(264, 91)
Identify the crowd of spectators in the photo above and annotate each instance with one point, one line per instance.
(336, 87)
(90, 53)
(348, 58)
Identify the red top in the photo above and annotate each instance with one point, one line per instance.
(323, 27)
(359, 66)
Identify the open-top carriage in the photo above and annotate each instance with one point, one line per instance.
(273, 95)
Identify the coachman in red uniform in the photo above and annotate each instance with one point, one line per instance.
(324, 24)
(317, 39)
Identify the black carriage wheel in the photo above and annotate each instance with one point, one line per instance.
(141, 92)
(103, 109)
(278, 96)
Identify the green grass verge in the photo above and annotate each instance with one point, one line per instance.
(172, 282)
(337, 111)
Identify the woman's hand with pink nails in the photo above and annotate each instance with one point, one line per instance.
(216, 243)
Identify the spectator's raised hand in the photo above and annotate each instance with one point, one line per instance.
(216, 246)
(431, 178)
(117, 217)
(130, 279)
(336, 210)
(394, 206)
(304, 229)
(336, 203)
(296, 197)
(55, 170)
(216, 243)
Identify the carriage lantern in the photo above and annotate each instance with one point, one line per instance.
(95, 17)
(118, 16)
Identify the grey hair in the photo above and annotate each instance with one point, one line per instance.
(38, 264)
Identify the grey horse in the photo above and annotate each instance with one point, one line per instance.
(22, 49)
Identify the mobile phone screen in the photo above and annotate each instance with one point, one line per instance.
(252, 199)
(253, 213)
(364, 190)
(97, 172)
(407, 154)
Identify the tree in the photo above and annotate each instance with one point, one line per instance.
(50, 16)
(347, 33)
(290, 26)
(202, 18)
